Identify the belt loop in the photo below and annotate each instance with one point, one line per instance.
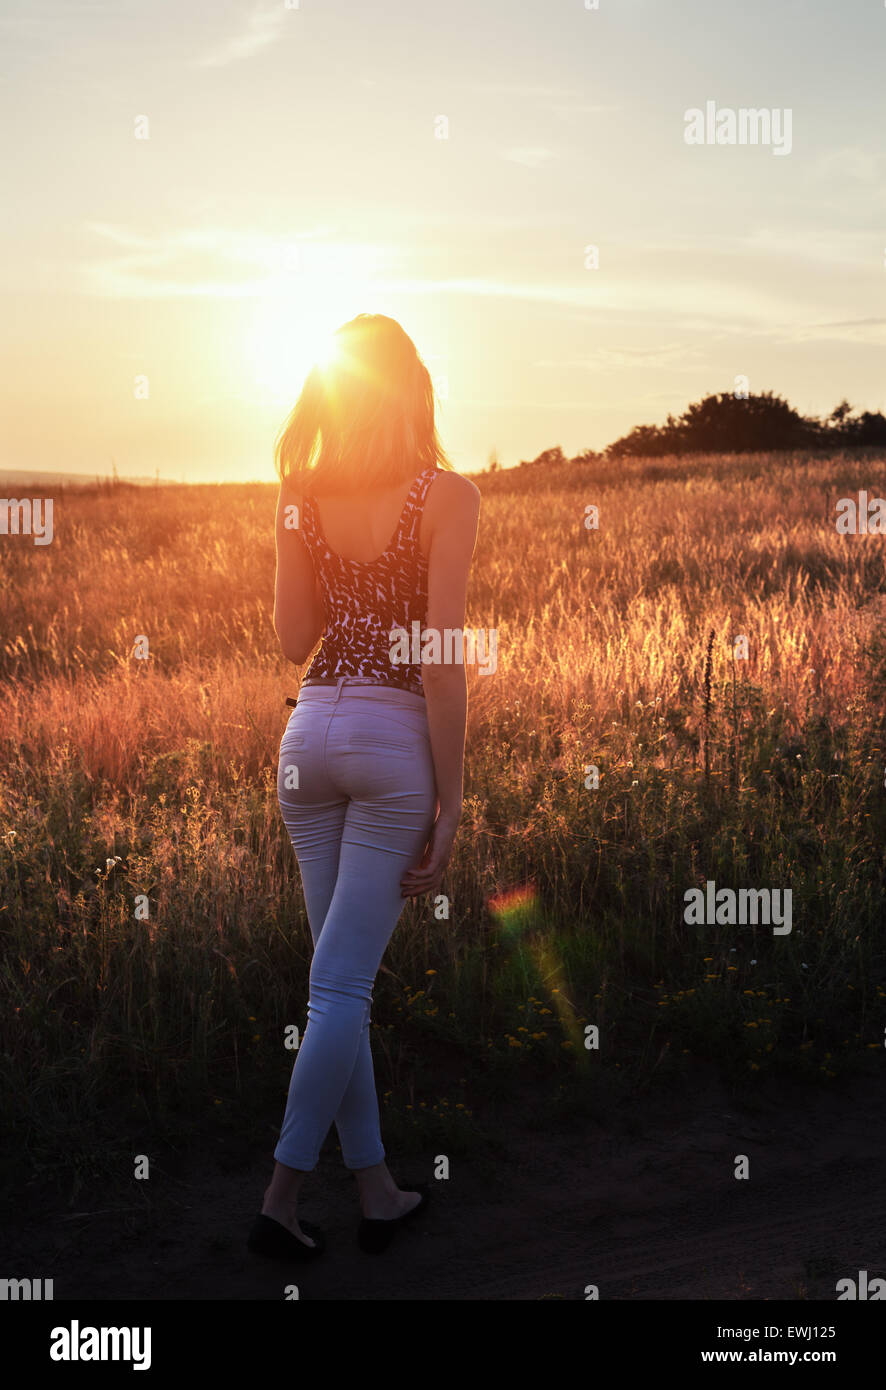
(338, 688)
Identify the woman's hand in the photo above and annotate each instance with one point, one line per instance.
(429, 873)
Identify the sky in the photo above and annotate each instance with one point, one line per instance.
(450, 165)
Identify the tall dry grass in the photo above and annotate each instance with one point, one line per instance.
(123, 777)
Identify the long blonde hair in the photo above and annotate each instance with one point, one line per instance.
(365, 420)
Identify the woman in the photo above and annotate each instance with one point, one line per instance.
(371, 762)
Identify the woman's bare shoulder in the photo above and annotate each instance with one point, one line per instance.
(453, 492)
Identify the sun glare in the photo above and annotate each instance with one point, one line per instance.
(294, 326)
(287, 340)
(327, 350)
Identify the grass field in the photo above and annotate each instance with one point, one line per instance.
(124, 777)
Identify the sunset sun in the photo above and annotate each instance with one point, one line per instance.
(293, 328)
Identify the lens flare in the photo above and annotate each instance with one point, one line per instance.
(515, 910)
(518, 913)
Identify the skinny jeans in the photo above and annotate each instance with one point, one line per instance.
(356, 788)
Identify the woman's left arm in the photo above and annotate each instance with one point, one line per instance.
(299, 615)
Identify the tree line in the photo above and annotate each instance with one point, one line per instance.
(726, 423)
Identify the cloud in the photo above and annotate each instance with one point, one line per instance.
(530, 156)
(225, 263)
(568, 109)
(521, 89)
(681, 355)
(193, 262)
(851, 323)
(864, 166)
(263, 27)
(217, 262)
(869, 332)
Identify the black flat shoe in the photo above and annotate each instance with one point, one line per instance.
(269, 1237)
(374, 1235)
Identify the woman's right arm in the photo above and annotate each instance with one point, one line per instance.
(454, 536)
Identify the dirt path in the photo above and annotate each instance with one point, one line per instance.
(646, 1207)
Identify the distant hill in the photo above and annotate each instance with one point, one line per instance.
(31, 478)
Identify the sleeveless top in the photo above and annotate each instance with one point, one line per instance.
(366, 600)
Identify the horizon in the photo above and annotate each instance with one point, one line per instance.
(843, 444)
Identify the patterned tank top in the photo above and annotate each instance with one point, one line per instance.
(366, 600)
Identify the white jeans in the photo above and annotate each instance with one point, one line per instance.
(359, 817)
